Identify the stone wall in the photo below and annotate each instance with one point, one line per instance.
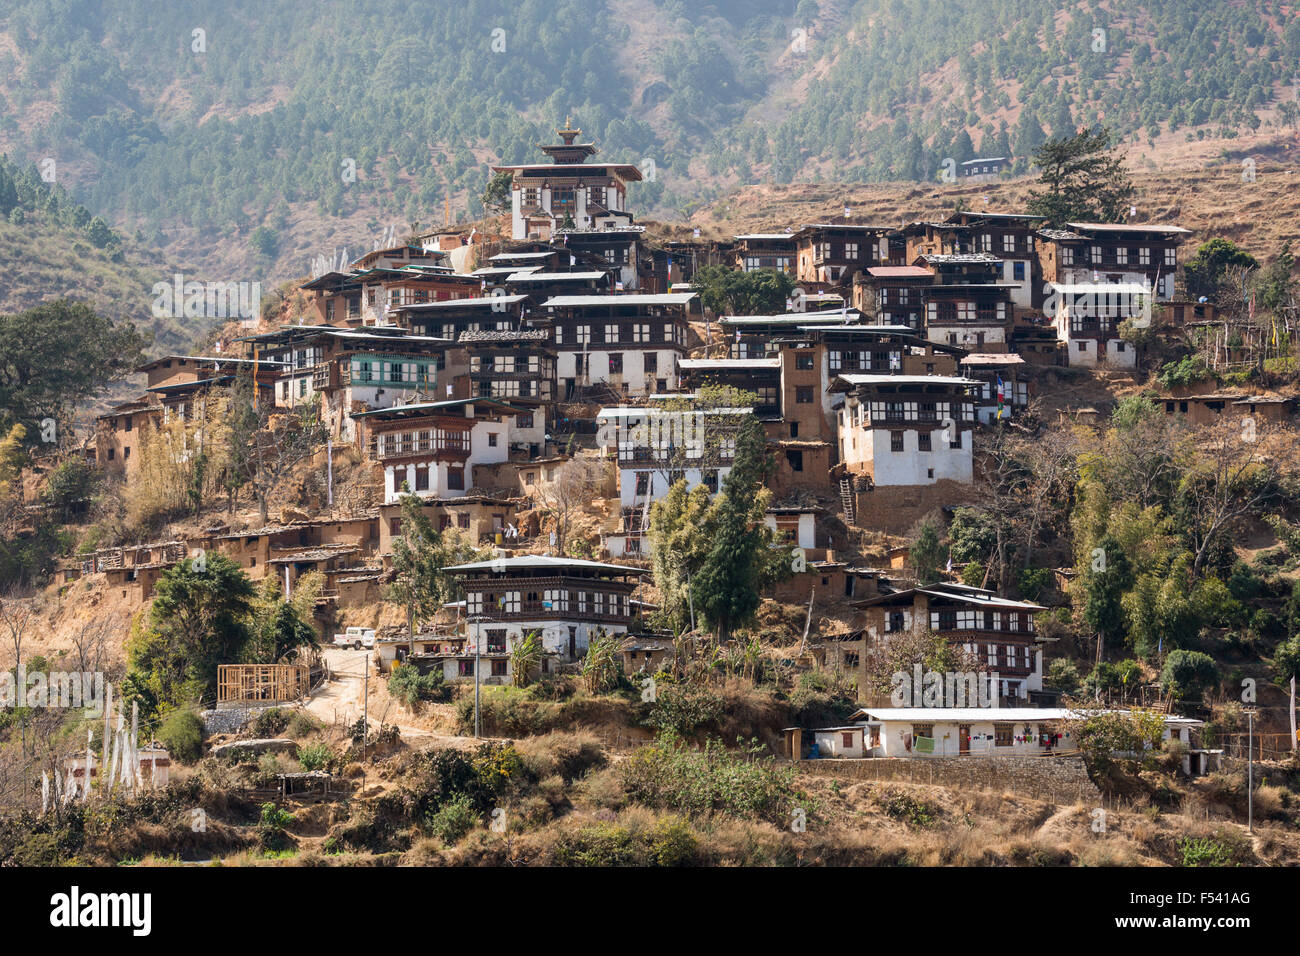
(1060, 779)
(895, 509)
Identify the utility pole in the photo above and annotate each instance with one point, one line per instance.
(329, 471)
(365, 696)
(478, 728)
(1250, 770)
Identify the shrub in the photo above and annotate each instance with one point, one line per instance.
(913, 812)
(302, 724)
(670, 842)
(453, 819)
(182, 735)
(1204, 851)
(684, 709)
(270, 828)
(409, 686)
(316, 756)
(670, 775)
(270, 722)
(1034, 581)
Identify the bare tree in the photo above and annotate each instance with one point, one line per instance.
(576, 482)
(1232, 478)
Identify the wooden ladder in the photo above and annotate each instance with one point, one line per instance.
(846, 498)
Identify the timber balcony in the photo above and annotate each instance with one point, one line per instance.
(981, 316)
(408, 446)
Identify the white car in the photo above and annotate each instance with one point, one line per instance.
(357, 637)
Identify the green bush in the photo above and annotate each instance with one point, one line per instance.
(409, 686)
(453, 819)
(271, 722)
(1204, 851)
(913, 812)
(182, 734)
(270, 828)
(684, 709)
(316, 756)
(669, 843)
(1034, 581)
(670, 775)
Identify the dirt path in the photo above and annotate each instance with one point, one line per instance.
(340, 701)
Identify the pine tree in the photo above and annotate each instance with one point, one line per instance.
(1083, 180)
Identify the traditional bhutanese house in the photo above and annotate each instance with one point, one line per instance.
(963, 731)
(252, 549)
(893, 295)
(646, 654)
(568, 192)
(135, 569)
(1129, 254)
(566, 601)
(117, 434)
(516, 366)
(519, 478)
(176, 388)
(830, 254)
(477, 518)
(1009, 236)
(356, 586)
(656, 447)
(759, 375)
(756, 336)
(1004, 390)
(678, 260)
(1088, 318)
(430, 449)
(366, 296)
(967, 305)
(345, 370)
(541, 286)
(998, 632)
(984, 168)
(628, 344)
(287, 565)
(496, 312)
(905, 446)
(1037, 343)
(765, 250)
(1206, 409)
(614, 248)
(906, 429)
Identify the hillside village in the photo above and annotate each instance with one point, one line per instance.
(495, 472)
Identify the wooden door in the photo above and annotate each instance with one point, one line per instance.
(963, 739)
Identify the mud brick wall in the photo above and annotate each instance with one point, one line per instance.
(1056, 779)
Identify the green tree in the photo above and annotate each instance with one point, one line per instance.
(278, 626)
(199, 619)
(1081, 179)
(264, 242)
(496, 197)
(1205, 272)
(419, 556)
(726, 291)
(1188, 672)
(927, 554)
(741, 562)
(525, 658)
(55, 357)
